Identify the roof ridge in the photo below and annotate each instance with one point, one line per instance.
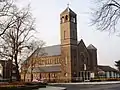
(91, 46)
(52, 45)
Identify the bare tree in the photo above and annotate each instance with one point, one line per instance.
(36, 51)
(15, 39)
(117, 64)
(107, 15)
(6, 15)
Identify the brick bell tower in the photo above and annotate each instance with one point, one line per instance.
(68, 29)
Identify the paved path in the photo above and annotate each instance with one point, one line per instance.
(105, 82)
(103, 87)
(111, 85)
(94, 87)
(52, 88)
(84, 87)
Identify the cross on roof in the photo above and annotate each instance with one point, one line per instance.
(68, 5)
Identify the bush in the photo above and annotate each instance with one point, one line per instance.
(21, 86)
(112, 79)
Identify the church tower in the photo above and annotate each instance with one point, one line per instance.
(68, 25)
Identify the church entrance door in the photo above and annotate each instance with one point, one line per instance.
(84, 75)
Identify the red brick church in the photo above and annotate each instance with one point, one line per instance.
(70, 61)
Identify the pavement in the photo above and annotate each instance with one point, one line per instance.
(111, 85)
(93, 87)
(52, 88)
(104, 82)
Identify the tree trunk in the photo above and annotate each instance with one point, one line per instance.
(11, 73)
(11, 70)
(17, 69)
(31, 75)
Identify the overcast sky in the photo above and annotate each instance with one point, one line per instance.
(47, 14)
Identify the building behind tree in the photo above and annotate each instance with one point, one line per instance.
(67, 62)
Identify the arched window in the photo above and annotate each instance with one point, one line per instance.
(82, 57)
(66, 17)
(65, 74)
(66, 61)
(64, 34)
(73, 19)
(62, 20)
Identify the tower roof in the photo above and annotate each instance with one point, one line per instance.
(68, 10)
(91, 47)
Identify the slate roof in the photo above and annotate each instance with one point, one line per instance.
(53, 68)
(50, 50)
(46, 51)
(107, 68)
(91, 47)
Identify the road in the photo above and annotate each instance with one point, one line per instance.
(91, 87)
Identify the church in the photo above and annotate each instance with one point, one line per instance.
(70, 61)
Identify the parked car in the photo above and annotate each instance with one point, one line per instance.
(38, 80)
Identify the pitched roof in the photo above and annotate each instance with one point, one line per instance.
(107, 68)
(91, 47)
(50, 50)
(46, 51)
(81, 41)
(68, 10)
(53, 68)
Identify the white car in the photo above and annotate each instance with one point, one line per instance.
(41, 80)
